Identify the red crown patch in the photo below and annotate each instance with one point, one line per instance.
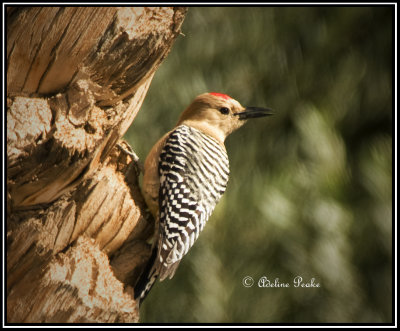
(225, 96)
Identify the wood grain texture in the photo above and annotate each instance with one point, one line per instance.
(77, 223)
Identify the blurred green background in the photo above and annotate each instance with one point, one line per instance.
(310, 192)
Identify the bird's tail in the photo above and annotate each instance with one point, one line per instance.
(153, 270)
(147, 279)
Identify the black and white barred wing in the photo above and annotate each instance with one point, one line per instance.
(194, 171)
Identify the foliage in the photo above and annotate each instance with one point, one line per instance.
(310, 191)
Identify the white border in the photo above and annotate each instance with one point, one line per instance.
(41, 326)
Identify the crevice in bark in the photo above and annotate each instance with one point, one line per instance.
(77, 224)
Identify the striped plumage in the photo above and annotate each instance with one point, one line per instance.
(185, 175)
(194, 171)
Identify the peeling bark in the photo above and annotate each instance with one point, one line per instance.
(77, 224)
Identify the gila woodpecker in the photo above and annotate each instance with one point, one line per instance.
(185, 175)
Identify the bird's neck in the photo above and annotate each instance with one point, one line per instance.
(206, 128)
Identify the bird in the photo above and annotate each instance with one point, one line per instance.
(185, 174)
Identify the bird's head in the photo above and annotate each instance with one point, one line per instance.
(218, 114)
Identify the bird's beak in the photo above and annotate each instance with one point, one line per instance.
(254, 112)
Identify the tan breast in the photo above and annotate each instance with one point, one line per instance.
(151, 180)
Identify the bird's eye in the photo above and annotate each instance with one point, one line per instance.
(224, 110)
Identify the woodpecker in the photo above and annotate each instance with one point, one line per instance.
(185, 175)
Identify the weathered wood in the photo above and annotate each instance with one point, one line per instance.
(76, 78)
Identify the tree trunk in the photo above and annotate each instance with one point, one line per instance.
(76, 221)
